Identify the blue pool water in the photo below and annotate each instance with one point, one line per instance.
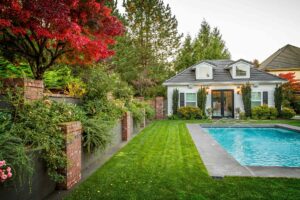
(260, 146)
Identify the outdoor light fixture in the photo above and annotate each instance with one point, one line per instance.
(238, 90)
(207, 90)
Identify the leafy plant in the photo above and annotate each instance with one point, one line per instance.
(96, 134)
(189, 112)
(10, 70)
(246, 96)
(278, 98)
(201, 99)
(175, 99)
(264, 112)
(287, 113)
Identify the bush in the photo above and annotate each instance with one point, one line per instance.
(246, 96)
(242, 116)
(36, 126)
(96, 134)
(137, 110)
(287, 113)
(150, 112)
(189, 112)
(173, 117)
(264, 112)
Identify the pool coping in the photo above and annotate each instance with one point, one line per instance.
(219, 163)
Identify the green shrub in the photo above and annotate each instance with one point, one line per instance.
(287, 113)
(175, 99)
(96, 134)
(201, 99)
(173, 117)
(189, 112)
(264, 112)
(273, 113)
(242, 116)
(246, 96)
(137, 110)
(36, 124)
(150, 112)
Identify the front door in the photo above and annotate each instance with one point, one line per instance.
(222, 103)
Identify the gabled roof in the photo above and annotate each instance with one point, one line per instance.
(239, 60)
(288, 57)
(221, 74)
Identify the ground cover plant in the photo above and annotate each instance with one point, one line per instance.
(163, 163)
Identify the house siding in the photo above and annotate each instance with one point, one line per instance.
(238, 102)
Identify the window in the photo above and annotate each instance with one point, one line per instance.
(181, 103)
(240, 71)
(265, 98)
(191, 99)
(255, 99)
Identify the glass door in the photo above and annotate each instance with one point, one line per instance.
(222, 103)
(228, 103)
(216, 103)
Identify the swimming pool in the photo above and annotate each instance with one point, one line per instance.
(260, 146)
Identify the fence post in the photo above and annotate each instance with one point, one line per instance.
(126, 126)
(159, 107)
(73, 134)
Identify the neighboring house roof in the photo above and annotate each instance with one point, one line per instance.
(286, 58)
(221, 74)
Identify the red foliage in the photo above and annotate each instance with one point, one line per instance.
(291, 77)
(80, 29)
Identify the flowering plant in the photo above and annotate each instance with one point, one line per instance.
(5, 171)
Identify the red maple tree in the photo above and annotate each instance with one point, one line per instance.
(45, 31)
(291, 77)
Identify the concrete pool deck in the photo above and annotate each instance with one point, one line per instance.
(219, 163)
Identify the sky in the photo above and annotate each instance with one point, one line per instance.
(252, 29)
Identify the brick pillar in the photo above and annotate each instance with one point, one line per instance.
(159, 107)
(126, 126)
(32, 89)
(72, 131)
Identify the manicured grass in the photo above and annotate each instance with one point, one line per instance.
(163, 163)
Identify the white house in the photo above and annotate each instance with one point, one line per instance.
(222, 80)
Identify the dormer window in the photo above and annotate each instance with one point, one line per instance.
(240, 71)
(204, 71)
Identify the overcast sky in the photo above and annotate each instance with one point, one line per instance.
(251, 28)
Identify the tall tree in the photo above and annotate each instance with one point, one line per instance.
(42, 32)
(185, 56)
(207, 45)
(256, 63)
(150, 45)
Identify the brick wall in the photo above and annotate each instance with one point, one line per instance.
(159, 108)
(126, 126)
(72, 131)
(32, 89)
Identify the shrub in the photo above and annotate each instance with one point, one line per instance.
(175, 99)
(273, 113)
(278, 98)
(36, 124)
(201, 99)
(287, 113)
(96, 134)
(242, 116)
(189, 112)
(150, 112)
(246, 96)
(173, 117)
(264, 112)
(137, 110)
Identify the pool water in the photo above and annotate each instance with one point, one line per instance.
(260, 146)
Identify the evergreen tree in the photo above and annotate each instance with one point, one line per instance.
(207, 45)
(148, 49)
(185, 56)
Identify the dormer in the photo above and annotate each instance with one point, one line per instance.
(240, 69)
(204, 70)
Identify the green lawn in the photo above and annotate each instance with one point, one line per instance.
(163, 163)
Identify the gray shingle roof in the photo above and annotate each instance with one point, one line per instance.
(220, 74)
(288, 57)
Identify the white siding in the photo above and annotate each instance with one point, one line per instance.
(204, 71)
(238, 102)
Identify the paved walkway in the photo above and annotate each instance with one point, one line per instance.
(219, 163)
